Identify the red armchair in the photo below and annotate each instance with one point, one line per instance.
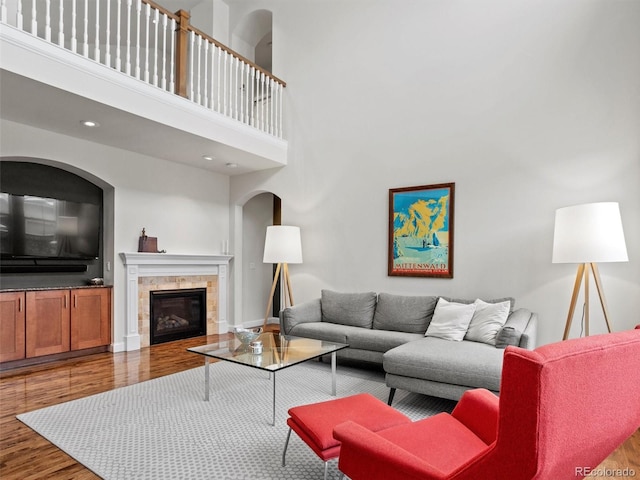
(562, 409)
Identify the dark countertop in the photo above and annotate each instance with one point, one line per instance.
(62, 287)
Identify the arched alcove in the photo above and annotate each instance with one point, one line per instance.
(252, 37)
(104, 268)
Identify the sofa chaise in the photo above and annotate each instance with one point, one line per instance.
(426, 344)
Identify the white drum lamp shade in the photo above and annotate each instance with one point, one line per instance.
(590, 233)
(282, 245)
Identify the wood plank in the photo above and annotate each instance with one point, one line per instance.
(26, 455)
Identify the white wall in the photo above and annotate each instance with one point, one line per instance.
(186, 208)
(212, 17)
(527, 106)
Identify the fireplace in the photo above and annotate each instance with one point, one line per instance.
(177, 314)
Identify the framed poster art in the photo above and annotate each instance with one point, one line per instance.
(421, 231)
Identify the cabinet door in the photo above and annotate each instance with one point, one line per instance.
(47, 322)
(12, 346)
(90, 317)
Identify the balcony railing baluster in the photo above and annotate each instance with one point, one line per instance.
(138, 23)
(61, 25)
(85, 43)
(155, 49)
(172, 58)
(107, 41)
(96, 50)
(118, 35)
(74, 33)
(47, 21)
(128, 50)
(147, 13)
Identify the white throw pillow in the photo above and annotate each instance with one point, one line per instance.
(450, 320)
(487, 321)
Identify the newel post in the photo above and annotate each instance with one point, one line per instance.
(182, 42)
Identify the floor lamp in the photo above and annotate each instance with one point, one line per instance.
(587, 235)
(282, 245)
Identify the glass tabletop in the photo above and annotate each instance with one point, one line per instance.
(278, 351)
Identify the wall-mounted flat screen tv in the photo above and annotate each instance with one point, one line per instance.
(33, 227)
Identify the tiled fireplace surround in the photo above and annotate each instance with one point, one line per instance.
(146, 272)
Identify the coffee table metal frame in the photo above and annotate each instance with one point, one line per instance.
(279, 352)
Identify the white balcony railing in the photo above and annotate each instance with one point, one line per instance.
(141, 39)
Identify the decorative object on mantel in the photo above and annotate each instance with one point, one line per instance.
(148, 244)
(421, 231)
(586, 234)
(282, 245)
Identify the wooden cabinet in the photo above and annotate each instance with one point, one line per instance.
(12, 326)
(49, 322)
(90, 318)
(48, 329)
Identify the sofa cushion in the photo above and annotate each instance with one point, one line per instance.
(401, 313)
(470, 364)
(450, 320)
(378, 340)
(425, 440)
(487, 320)
(355, 309)
(329, 332)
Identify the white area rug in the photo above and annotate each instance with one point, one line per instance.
(163, 428)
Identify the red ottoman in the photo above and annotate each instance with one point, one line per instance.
(314, 423)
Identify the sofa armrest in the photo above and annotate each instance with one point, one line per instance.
(365, 454)
(303, 313)
(478, 411)
(520, 330)
(528, 339)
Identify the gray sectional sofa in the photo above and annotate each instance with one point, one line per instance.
(397, 332)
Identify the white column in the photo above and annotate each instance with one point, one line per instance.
(131, 336)
(222, 299)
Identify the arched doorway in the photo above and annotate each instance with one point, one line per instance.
(251, 277)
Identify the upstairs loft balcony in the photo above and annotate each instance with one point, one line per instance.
(167, 89)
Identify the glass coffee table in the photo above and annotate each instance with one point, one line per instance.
(278, 352)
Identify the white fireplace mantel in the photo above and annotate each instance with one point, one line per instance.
(163, 264)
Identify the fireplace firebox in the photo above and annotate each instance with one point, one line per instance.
(177, 314)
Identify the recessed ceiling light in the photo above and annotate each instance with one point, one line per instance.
(208, 157)
(89, 123)
(231, 165)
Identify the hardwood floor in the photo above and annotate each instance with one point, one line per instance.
(26, 455)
